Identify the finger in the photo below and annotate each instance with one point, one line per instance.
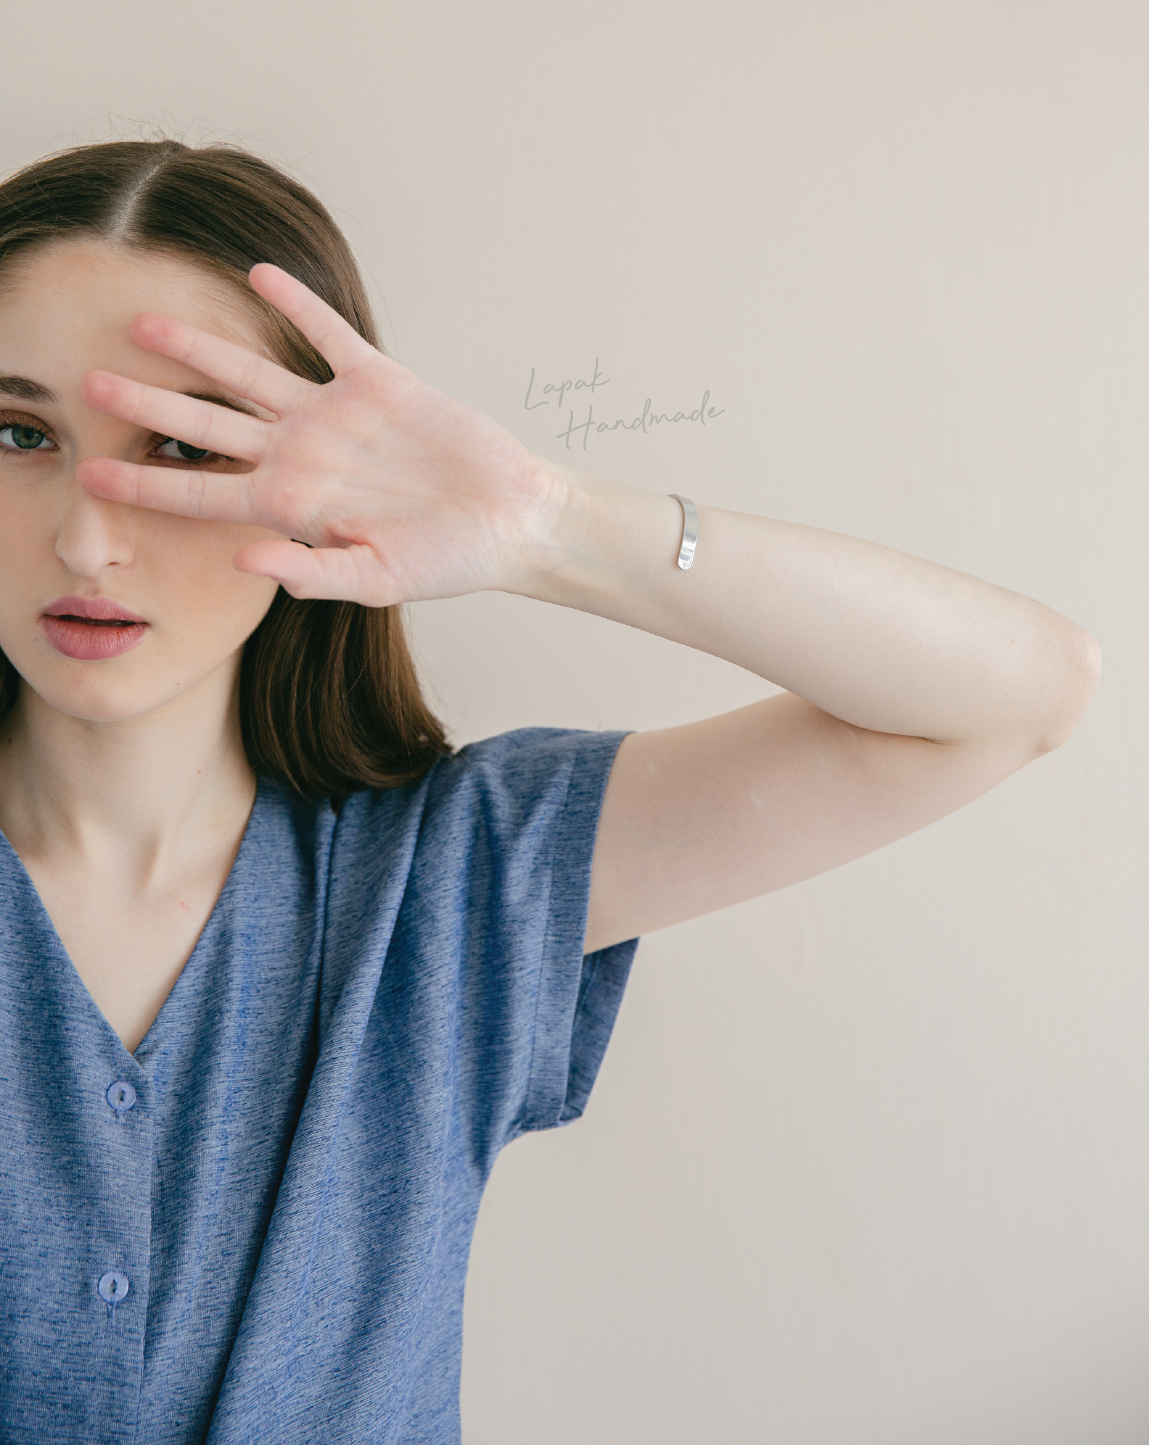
(215, 496)
(199, 423)
(347, 574)
(241, 371)
(336, 341)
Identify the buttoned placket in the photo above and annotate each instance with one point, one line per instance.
(118, 1274)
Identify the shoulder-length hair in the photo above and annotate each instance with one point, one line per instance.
(329, 698)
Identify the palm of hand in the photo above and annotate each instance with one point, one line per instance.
(401, 492)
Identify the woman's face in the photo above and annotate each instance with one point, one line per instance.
(65, 311)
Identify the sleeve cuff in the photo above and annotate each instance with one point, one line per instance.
(578, 997)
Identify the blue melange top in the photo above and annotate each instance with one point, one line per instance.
(256, 1228)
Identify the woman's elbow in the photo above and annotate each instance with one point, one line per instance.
(1071, 689)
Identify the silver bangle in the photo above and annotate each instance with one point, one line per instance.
(689, 530)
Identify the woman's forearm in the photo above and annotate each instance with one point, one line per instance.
(400, 493)
(876, 637)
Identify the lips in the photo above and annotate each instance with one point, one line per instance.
(91, 629)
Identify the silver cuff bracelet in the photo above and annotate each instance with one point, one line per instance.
(689, 530)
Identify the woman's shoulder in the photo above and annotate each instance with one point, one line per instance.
(527, 749)
(525, 764)
(537, 789)
(502, 778)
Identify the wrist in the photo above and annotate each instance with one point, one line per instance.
(595, 537)
(554, 528)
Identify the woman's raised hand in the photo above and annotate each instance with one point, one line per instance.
(400, 492)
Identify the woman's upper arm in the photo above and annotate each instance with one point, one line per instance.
(700, 817)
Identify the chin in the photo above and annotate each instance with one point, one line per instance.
(118, 690)
(105, 703)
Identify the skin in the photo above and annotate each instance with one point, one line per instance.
(127, 876)
(911, 689)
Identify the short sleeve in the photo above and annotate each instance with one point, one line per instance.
(509, 833)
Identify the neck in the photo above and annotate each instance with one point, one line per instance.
(138, 799)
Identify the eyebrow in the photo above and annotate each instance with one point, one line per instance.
(25, 389)
(20, 386)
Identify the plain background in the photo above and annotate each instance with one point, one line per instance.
(867, 1160)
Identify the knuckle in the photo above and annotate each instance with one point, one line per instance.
(197, 492)
(205, 423)
(249, 372)
(190, 345)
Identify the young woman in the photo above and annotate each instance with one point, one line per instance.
(280, 972)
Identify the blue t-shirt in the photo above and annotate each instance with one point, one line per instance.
(256, 1228)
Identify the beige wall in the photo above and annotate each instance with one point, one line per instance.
(867, 1159)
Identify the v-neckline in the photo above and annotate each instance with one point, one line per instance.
(193, 966)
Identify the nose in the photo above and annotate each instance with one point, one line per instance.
(93, 535)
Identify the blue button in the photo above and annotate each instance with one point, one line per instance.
(113, 1286)
(121, 1096)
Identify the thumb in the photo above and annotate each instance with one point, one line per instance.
(344, 574)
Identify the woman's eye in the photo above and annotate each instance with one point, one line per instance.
(15, 437)
(184, 451)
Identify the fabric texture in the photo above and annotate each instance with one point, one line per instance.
(265, 1237)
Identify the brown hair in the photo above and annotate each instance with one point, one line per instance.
(329, 698)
